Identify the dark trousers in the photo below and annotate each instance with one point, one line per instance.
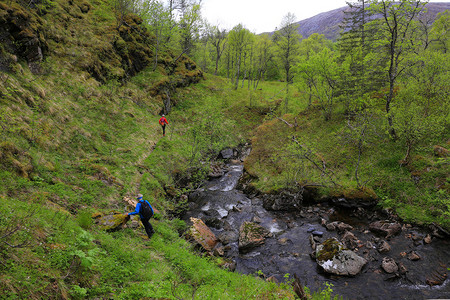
(164, 129)
(148, 227)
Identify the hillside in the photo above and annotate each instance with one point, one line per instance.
(328, 23)
(79, 107)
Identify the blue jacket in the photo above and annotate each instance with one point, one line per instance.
(138, 208)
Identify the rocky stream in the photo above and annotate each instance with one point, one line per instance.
(364, 253)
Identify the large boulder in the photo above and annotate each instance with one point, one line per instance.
(202, 235)
(332, 256)
(251, 235)
(111, 222)
(385, 228)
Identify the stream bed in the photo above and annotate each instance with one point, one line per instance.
(287, 249)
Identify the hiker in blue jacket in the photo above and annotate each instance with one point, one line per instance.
(145, 212)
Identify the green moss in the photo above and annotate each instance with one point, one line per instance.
(331, 247)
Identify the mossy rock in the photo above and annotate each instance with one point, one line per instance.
(331, 247)
(112, 222)
(332, 256)
(251, 235)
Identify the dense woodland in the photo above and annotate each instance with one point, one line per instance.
(82, 85)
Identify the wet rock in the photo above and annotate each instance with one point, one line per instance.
(228, 237)
(216, 170)
(331, 226)
(227, 226)
(310, 229)
(339, 226)
(369, 245)
(385, 228)
(332, 256)
(284, 201)
(384, 247)
(317, 233)
(427, 239)
(389, 265)
(219, 251)
(226, 153)
(236, 209)
(213, 222)
(251, 235)
(437, 278)
(312, 242)
(283, 241)
(350, 240)
(416, 237)
(342, 227)
(413, 256)
(112, 222)
(202, 235)
(256, 219)
(401, 268)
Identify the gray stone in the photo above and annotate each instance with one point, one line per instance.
(332, 256)
(350, 240)
(389, 265)
(317, 233)
(227, 153)
(413, 256)
(427, 239)
(384, 247)
(228, 237)
(341, 226)
(385, 228)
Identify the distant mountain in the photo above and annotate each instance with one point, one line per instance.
(327, 23)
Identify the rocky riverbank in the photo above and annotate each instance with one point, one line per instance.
(365, 253)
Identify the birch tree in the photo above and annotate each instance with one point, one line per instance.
(160, 23)
(395, 26)
(239, 40)
(287, 39)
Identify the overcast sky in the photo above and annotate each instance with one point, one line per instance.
(264, 15)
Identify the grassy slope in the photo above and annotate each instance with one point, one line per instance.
(71, 146)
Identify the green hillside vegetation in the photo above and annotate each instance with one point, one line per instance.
(81, 133)
(80, 98)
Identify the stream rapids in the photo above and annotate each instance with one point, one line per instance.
(287, 250)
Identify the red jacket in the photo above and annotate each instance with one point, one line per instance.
(163, 121)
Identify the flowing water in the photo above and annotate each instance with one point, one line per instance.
(287, 250)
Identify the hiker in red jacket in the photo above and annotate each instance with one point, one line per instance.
(163, 122)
